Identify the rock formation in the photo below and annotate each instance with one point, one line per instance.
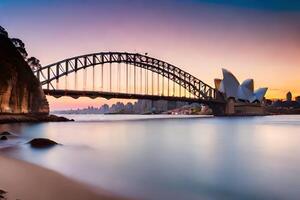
(3, 138)
(42, 143)
(20, 91)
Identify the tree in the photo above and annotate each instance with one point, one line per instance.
(19, 44)
(3, 31)
(34, 63)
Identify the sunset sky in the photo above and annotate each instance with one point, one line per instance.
(252, 38)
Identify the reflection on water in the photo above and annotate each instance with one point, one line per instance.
(199, 158)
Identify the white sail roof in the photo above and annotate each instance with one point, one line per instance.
(249, 84)
(245, 91)
(231, 87)
(230, 84)
(259, 95)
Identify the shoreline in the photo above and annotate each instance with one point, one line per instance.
(8, 118)
(23, 180)
(34, 118)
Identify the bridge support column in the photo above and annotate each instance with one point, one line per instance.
(218, 109)
(230, 109)
(226, 109)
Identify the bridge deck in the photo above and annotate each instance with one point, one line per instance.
(111, 95)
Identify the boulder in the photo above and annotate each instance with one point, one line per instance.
(5, 133)
(3, 137)
(2, 194)
(42, 143)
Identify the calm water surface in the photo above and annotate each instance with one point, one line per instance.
(158, 159)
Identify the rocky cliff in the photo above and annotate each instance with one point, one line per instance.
(20, 91)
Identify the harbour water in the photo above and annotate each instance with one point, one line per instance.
(160, 157)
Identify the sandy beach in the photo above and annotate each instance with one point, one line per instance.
(26, 181)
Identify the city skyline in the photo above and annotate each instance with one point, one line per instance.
(259, 40)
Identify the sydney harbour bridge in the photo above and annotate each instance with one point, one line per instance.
(126, 76)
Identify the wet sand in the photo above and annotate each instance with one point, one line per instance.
(25, 181)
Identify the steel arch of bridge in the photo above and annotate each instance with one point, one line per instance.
(193, 85)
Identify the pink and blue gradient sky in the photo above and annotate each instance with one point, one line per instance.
(251, 38)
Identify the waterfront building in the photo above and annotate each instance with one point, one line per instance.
(241, 99)
(232, 89)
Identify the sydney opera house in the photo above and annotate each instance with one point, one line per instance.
(242, 99)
